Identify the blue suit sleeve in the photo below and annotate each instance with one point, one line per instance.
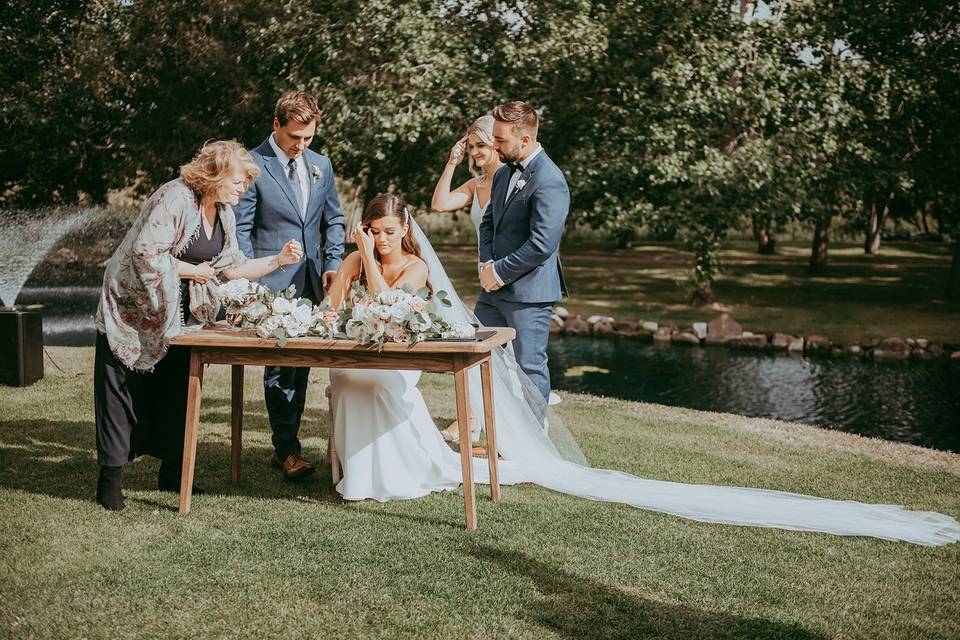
(549, 207)
(244, 212)
(332, 226)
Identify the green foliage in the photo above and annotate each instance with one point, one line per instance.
(680, 117)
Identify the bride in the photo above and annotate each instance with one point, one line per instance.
(387, 444)
(390, 449)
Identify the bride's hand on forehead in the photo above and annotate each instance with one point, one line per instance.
(363, 238)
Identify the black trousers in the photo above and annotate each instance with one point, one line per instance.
(139, 413)
(285, 394)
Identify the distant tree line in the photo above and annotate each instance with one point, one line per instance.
(691, 119)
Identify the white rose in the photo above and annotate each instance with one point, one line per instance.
(419, 305)
(392, 328)
(384, 312)
(359, 311)
(303, 313)
(282, 305)
(462, 330)
(256, 310)
(389, 297)
(400, 311)
(266, 328)
(292, 326)
(235, 290)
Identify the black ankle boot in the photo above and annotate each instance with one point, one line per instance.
(109, 488)
(169, 479)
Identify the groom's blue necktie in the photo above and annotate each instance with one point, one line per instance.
(295, 183)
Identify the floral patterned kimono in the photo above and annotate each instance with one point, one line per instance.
(139, 308)
(140, 388)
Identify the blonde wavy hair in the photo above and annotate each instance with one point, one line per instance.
(483, 128)
(213, 166)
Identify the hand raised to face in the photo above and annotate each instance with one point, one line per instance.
(458, 151)
(363, 238)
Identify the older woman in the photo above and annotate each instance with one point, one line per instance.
(159, 283)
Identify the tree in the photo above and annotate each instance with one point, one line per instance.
(56, 108)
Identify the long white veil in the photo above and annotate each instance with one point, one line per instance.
(551, 458)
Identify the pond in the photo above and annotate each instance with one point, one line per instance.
(912, 401)
(906, 401)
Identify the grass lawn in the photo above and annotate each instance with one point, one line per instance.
(270, 558)
(898, 293)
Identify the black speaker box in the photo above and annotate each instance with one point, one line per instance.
(21, 346)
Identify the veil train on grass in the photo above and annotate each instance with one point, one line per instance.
(538, 448)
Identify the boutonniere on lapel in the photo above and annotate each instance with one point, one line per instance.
(317, 174)
(521, 183)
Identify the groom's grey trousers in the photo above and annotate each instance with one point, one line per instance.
(532, 324)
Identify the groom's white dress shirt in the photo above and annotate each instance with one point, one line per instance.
(303, 177)
(514, 179)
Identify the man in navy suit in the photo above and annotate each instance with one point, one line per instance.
(520, 240)
(294, 197)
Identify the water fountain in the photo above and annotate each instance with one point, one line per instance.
(26, 238)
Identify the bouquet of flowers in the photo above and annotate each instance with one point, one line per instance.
(397, 315)
(250, 305)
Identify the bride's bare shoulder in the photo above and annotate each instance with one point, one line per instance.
(414, 262)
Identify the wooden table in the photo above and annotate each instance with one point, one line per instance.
(223, 345)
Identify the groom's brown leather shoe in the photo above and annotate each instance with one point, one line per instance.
(294, 467)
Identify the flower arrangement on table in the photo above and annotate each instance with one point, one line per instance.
(396, 315)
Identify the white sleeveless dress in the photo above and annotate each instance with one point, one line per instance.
(388, 446)
(476, 213)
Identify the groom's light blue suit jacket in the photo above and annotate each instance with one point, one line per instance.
(521, 234)
(268, 215)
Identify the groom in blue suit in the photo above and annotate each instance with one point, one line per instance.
(294, 197)
(520, 235)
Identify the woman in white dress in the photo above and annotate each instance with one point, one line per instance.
(483, 161)
(387, 444)
(390, 449)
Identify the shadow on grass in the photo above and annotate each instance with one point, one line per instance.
(58, 459)
(576, 607)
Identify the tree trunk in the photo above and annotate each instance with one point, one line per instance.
(625, 236)
(953, 285)
(818, 254)
(764, 235)
(705, 269)
(871, 244)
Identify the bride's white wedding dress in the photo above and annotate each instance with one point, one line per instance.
(390, 449)
(388, 446)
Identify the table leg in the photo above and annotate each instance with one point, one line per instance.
(194, 392)
(463, 422)
(486, 377)
(236, 424)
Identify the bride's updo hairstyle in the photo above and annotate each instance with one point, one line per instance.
(483, 128)
(386, 205)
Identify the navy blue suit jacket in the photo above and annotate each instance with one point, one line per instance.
(522, 235)
(267, 217)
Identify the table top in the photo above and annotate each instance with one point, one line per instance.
(222, 335)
